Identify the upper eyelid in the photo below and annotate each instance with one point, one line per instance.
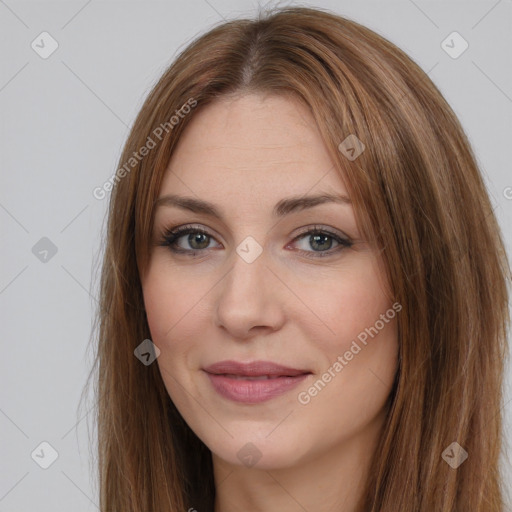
(324, 229)
(303, 231)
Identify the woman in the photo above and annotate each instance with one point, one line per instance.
(302, 256)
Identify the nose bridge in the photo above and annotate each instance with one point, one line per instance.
(245, 298)
(247, 274)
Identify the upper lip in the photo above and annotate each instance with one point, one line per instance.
(253, 369)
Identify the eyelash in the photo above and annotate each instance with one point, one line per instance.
(171, 236)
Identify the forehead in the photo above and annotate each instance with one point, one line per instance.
(248, 146)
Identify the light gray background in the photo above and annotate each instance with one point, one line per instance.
(63, 122)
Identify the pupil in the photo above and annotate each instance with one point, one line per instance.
(193, 238)
(316, 238)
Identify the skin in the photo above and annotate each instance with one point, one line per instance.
(244, 154)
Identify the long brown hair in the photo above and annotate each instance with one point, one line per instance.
(418, 196)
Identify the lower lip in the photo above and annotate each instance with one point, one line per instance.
(253, 391)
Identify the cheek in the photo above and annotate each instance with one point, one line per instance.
(350, 303)
(362, 337)
(160, 312)
(172, 300)
(171, 306)
(360, 345)
(357, 375)
(176, 303)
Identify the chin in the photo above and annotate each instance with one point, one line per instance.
(252, 451)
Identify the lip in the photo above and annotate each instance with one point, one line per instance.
(246, 382)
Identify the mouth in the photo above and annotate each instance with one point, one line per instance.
(253, 382)
(263, 369)
(250, 377)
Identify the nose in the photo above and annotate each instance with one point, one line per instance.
(249, 299)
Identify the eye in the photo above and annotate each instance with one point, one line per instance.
(191, 240)
(197, 239)
(321, 241)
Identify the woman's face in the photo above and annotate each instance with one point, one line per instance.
(277, 335)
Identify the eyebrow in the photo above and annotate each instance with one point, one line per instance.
(282, 208)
